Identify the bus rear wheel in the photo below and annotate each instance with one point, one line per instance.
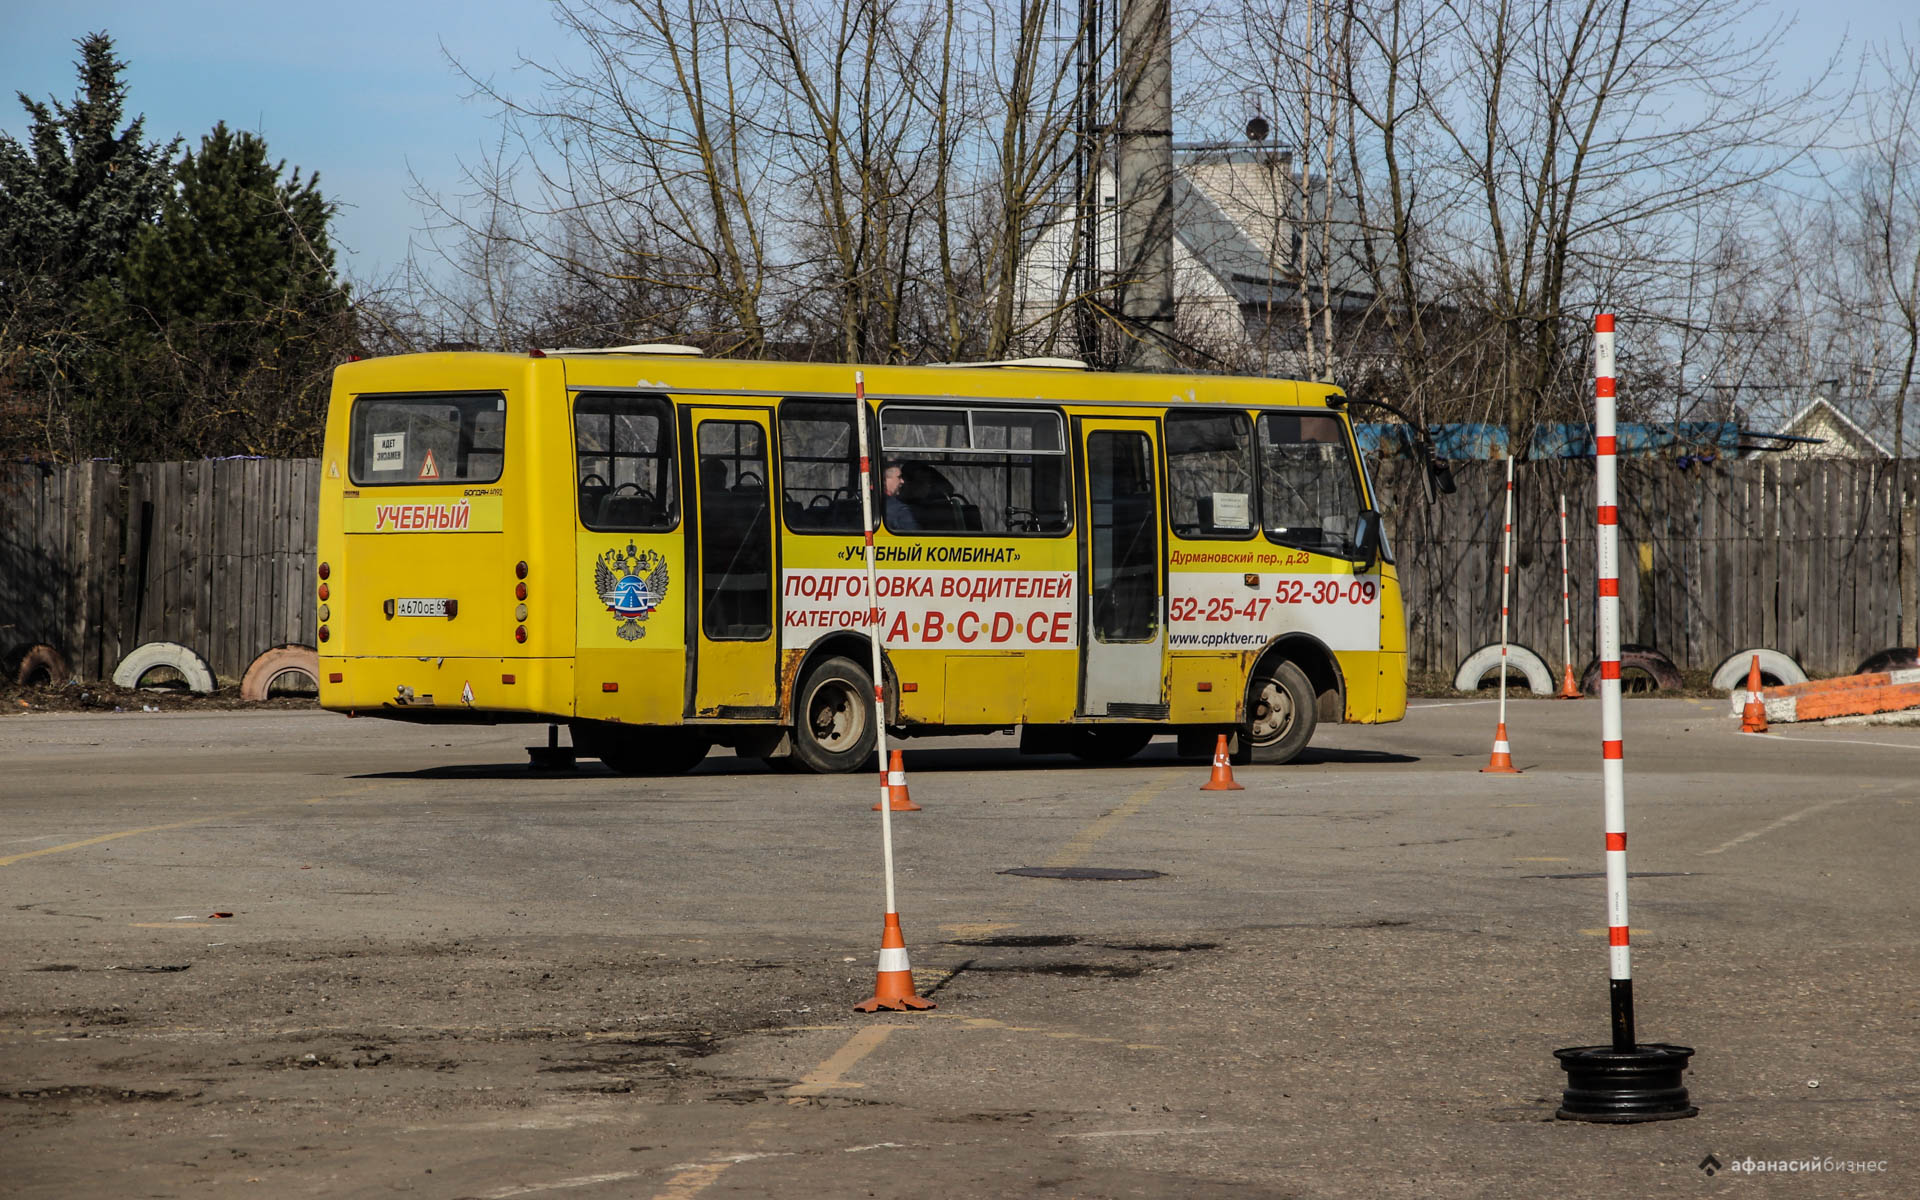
(833, 726)
(627, 751)
(1281, 713)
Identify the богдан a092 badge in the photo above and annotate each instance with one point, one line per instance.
(631, 583)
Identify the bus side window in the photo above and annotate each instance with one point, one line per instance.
(820, 467)
(978, 470)
(623, 455)
(1210, 474)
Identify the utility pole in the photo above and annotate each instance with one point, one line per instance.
(1144, 184)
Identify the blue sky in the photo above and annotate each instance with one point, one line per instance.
(363, 93)
(359, 91)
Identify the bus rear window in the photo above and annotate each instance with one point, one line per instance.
(427, 439)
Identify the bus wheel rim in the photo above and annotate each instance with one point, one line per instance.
(1272, 713)
(834, 716)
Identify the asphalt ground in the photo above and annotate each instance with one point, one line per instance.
(447, 976)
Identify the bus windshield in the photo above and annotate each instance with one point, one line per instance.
(1309, 490)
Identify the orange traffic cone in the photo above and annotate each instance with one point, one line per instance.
(893, 987)
(897, 798)
(1753, 717)
(1569, 690)
(1502, 761)
(1222, 779)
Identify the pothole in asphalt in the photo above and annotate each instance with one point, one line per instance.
(1088, 873)
(1064, 970)
(1020, 941)
(88, 1092)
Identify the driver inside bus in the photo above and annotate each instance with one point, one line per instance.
(899, 516)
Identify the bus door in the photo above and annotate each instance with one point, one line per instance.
(735, 659)
(1123, 573)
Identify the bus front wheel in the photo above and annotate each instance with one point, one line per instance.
(833, 727)
(1281, 713)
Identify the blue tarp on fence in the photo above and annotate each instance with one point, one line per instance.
(1705, 440)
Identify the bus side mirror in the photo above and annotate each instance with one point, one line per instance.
(1368, 540)
(1441, 472)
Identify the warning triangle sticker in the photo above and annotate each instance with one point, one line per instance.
(333, 469)
(427, 469)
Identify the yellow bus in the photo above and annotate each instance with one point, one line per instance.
(664, 552)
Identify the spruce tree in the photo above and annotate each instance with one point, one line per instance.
(72, 200)
(228, 309)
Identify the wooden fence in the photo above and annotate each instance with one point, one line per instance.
(1799, 555)
(217, 555)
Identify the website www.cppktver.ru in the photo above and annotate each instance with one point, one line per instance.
(1211, 640)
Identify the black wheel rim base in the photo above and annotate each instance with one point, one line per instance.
(1625, 1086)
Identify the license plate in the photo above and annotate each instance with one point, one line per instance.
(420, 608)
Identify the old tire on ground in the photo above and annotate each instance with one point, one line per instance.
(630, 750)
(278, 664)
(1642, 669)
(1107, 743)
(1486, 661)
(1776, 669)
(833, 730)
(40, 664)
(1896, 658)
(1282, 711)
(145, 659)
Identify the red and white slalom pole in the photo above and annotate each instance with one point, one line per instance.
(1569, 690)
(1623, 1082)
(1501, 762)
(1613, 767)
(893, 987)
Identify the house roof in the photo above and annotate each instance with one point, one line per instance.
(1819, 410)
(1229, 253)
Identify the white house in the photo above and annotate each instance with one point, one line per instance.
(1844, 438)
(1235, 260)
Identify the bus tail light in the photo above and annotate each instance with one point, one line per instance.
(324, 633)
(519, 635)
(326, 572)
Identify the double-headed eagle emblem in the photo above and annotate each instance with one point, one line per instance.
(631, 583)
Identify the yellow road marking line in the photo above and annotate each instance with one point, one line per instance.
(977, 929)
(10, 859)
(692, 1181)
(827, 1075)
(1082, 843)
(695, 1178)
